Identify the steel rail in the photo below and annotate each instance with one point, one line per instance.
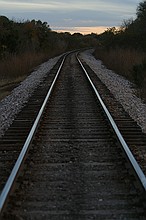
(134, 163)
(9, 184)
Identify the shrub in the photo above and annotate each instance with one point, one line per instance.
(139, 74)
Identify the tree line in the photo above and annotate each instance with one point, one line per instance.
(131, 34)
(37, 36)
(121, 49)
(124, 49)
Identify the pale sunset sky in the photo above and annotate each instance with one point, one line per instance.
(84, 16)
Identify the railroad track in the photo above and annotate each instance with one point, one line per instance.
(78, 166)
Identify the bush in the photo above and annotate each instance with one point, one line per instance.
(139, 74)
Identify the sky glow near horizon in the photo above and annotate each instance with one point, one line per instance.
(72, 15)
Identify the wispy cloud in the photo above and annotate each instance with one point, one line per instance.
(71, 13)
(113, 5)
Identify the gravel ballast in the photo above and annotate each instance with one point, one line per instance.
(12, 104)
(121, 88)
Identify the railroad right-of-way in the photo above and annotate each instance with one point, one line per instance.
(75, 167)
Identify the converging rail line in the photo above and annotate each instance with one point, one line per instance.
(74, 163)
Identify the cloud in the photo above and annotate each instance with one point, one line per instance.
(113, 5)
(71, 13)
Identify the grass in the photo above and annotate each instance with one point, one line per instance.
(16, 67)
(129, 63)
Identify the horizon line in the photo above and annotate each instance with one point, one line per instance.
(82, 30)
